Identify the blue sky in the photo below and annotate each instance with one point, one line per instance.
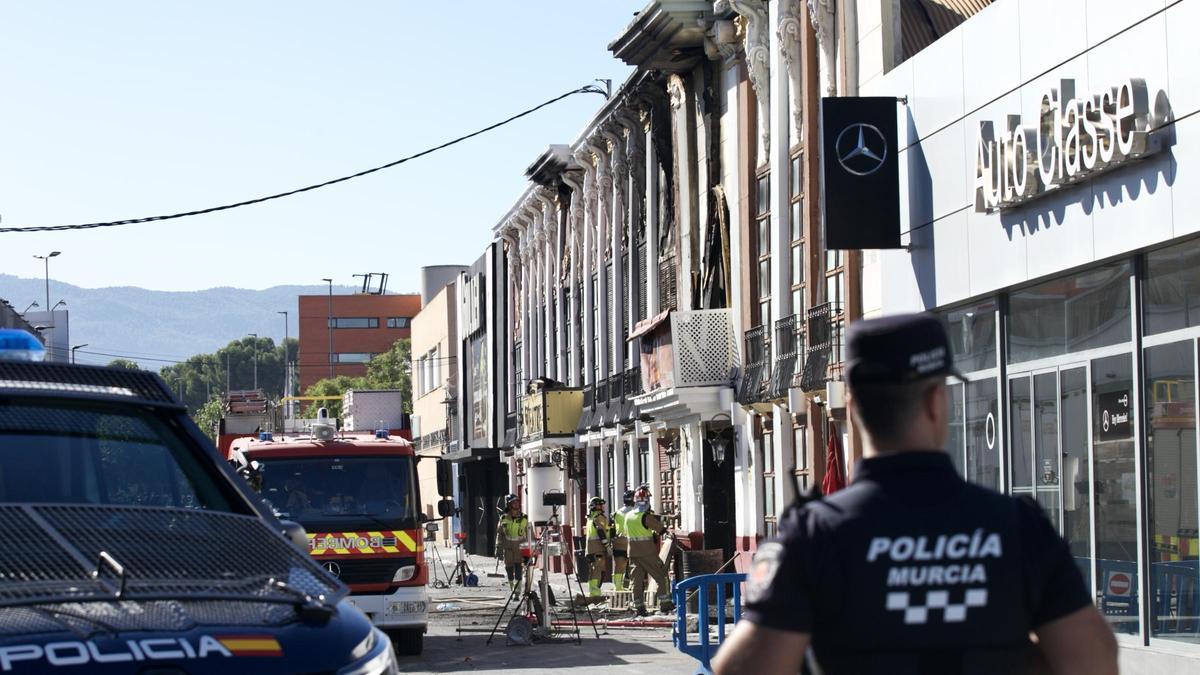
(124, 108)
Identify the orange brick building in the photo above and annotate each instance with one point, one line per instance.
(362, 326)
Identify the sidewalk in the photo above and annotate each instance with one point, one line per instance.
(632, 648)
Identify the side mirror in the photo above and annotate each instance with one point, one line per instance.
(445, 507)
(295, 532)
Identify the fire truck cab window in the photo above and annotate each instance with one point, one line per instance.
(355, 492)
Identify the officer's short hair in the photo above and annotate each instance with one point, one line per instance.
(885, 409)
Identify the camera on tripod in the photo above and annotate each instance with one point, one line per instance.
(554, 498)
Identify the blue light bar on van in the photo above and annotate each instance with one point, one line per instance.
(18, 345)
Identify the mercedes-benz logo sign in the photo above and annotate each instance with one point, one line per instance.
(333, 568)
(861, 149)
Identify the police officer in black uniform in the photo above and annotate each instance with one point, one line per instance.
(911, 569)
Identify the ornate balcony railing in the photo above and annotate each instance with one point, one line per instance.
(633, 382)
(754, 370)
(589, 396)
(789, 353)
(823, 345)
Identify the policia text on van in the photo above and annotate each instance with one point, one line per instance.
(141, 550)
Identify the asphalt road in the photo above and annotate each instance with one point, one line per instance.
(475, 611)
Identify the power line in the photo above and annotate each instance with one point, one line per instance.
(587, 89)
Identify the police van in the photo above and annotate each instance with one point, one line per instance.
(131, 547)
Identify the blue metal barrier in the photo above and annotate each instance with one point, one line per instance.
(703, 649)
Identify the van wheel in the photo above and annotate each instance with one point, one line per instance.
(407, 641)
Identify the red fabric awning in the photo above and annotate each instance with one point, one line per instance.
(646, 325)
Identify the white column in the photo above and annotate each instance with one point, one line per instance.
(604, 191)
(635, 161)
(620, 171)
(575, 218)
(682, 112)
(652, 216)
(589, 200)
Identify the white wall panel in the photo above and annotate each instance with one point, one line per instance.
(1185, 179)
(1051, 32)
(946, 159)
(1106, 18)
(953, 270)
(1183, 57)
(937, 98)
(991, 43)
(899, 289)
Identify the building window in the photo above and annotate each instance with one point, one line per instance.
(354, 322)
(398, 322)
(800, 457)
(796, 225)
(767, 462)
(352, 357)
(762, 249)
(643, 475)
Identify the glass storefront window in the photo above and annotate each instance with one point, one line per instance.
(972, 333)
(1171, 289)
(1021, 455)
(1076, 468)
(982, 433)
(1045, 442)
(955, 442)
(1172, 501)
(1116, 514)
(1083, 311)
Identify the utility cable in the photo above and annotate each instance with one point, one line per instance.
(587, 89)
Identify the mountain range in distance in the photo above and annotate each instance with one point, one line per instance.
(158, 328)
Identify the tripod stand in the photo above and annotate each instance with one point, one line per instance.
(440, 578)
(539, 604)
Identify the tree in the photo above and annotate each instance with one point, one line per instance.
(202, 376)
(209, 416)
(333, 387)
(125, 364)
(393, 370)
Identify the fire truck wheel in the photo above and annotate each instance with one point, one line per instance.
(407, 641)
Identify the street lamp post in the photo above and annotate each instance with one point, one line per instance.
(57, 304)
(330, 322)
(255, 344)
(31, 306)
(287, 368)
(46, 258)
(74, 348)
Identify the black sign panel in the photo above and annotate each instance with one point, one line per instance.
(861, 171)
(1113, 417)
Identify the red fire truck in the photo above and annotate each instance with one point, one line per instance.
(357, 496)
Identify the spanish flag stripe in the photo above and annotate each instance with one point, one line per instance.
(252, 645)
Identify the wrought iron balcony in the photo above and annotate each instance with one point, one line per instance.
(589, 396)
(602, 391)
(616, 388)
(789, 353)
(633, 382)
(754, 371)
(551, 413)
(824, 348)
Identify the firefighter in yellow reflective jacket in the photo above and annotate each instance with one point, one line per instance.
(644, 528)
(512, 531)
(597, 544)
(620, 541)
